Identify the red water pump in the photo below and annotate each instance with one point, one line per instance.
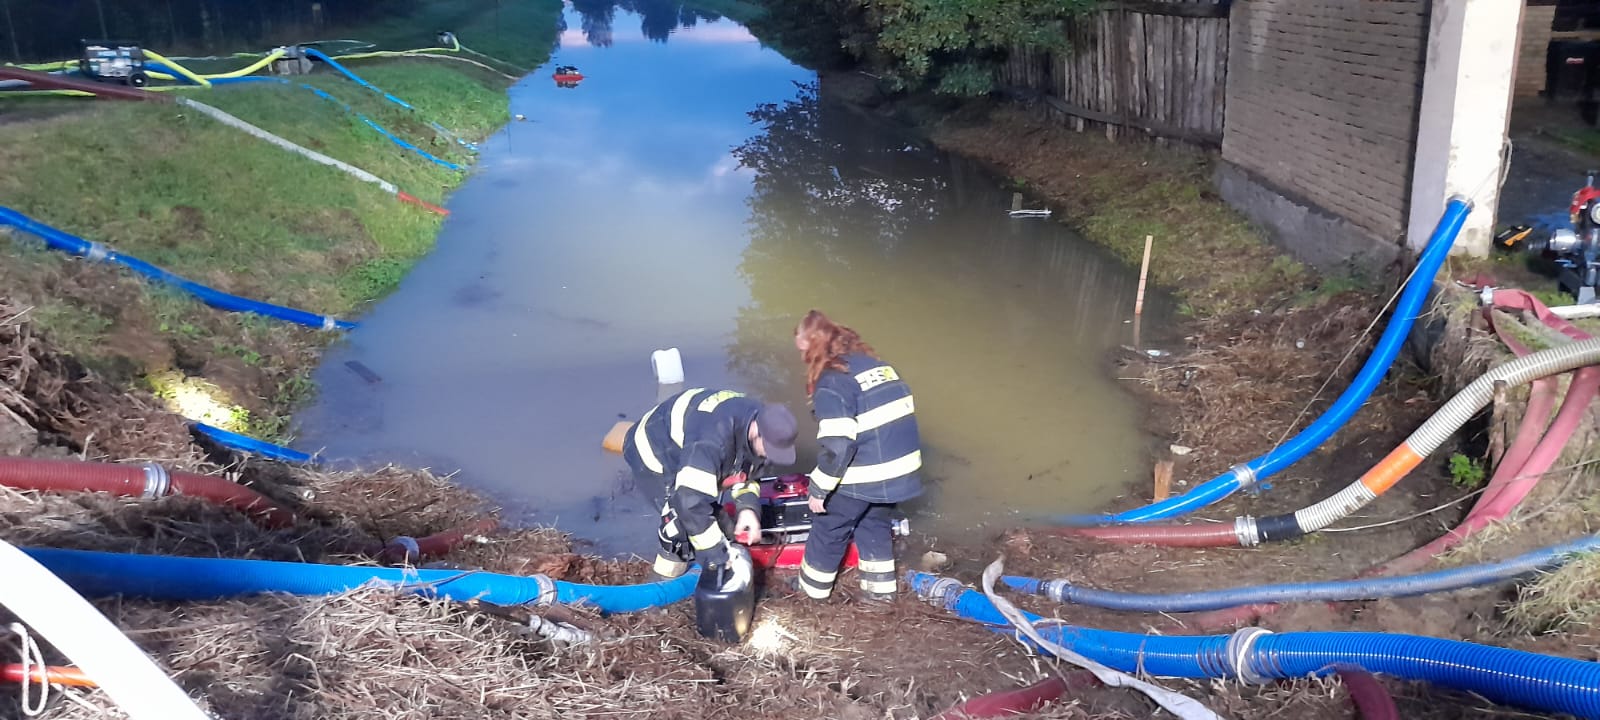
(786, 523)
(1574, 250)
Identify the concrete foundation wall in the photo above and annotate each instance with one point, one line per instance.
(1327, 242)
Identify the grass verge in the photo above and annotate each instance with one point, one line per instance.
(180, 190)
(1117, 193)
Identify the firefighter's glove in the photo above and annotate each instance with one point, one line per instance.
(747, 529)
(740, 569)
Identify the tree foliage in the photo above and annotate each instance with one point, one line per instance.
(952, 46)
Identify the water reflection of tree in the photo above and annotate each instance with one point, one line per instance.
(833, 193)
(657, 18)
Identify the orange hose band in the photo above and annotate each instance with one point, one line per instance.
(53, 674)
(1387, 472)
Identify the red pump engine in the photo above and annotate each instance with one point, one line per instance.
(786, 523)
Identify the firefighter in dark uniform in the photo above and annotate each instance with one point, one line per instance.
(693, 441)
(869, 460)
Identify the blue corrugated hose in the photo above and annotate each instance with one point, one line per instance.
(1362, 589)
(245, 443)
(159, 577)
(317, 54)
(1377, 365)
(1539, 682)
(75, 245)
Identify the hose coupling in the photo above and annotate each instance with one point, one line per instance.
(1240, 643)
(1244, 528)
(547, 590)
(1246, 475)
(96, 252)
(157, 482)
(943, 592)
(329, 323)
(1054, 589)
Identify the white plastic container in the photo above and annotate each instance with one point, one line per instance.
(668, 365)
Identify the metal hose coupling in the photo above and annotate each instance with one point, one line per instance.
(96, 252)
(943, 592)
(1054, 589)
(1240, 643)
(157, 482)
(1244, 528)
(1246, 475)
(547, 590)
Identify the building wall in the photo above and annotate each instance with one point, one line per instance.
(1533, 48)
(1321, 109)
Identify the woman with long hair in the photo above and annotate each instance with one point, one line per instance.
(870, 457)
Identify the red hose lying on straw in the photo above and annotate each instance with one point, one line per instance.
(1370, 697)
(138, 481)
(405, 549)
(1008, 703)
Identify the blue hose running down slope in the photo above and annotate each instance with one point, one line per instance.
(396, 139)
(1361, 589)
(159, 577)
(317, 54)
(1513, 677)
(1394, 336)
(245, 443)
(75, 245)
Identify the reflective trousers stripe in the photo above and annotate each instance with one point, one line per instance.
(903, 465)
(876, 566)
(878, 584)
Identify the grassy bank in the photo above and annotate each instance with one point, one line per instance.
(1117, 193)
(208, 202)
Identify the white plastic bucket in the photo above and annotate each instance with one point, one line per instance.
(668, 365)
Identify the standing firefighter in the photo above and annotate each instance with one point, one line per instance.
(691, 442)
(869, 459)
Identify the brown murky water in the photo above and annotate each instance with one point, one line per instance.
(690, 194)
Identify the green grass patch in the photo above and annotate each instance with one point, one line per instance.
(521, 32)
(208, 202)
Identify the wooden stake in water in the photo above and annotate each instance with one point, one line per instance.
(1016, 201)
(1163, 481)
(1144, 270)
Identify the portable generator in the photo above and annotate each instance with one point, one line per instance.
(118, 61)
(786, 523)
(1574, 250)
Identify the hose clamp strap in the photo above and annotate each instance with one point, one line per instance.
(547, 590)
(156, 481)
(1240, 645)
(96, 252)
(329, 323)
(1245, 474)
(1244, 528)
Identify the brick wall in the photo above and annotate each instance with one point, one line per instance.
(1322, 102)
(1534, 48)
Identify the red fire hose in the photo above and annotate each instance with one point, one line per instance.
(1524, 463)
(402, 549)
(1008, 703)
(1370, 697)
(52, 674)
(151, 481)
(46, 81)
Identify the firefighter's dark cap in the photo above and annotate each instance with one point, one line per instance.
(778, 431)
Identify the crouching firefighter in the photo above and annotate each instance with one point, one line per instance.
(869, 460)
(690, 442)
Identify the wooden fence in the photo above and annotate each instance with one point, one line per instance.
(1157, 67)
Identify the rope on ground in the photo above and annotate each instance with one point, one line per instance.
(1184, 707)
(32, 657)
